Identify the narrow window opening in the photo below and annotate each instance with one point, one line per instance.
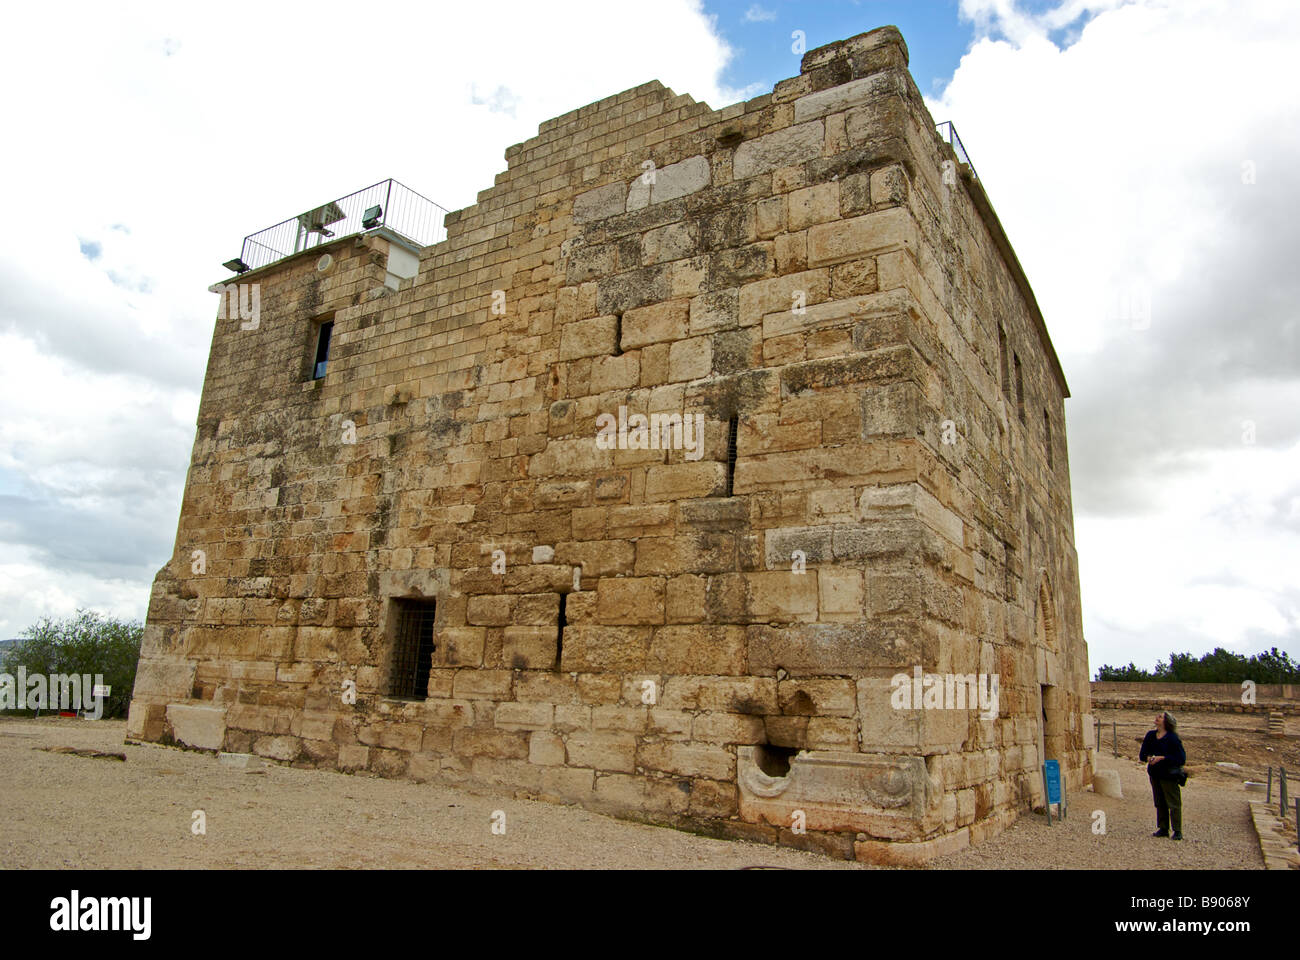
(1047, 436)
(412, 649)
(732, 426)
(1004, 372)
(1020, 388)
(323, 334)
(618, 334)
(559, 633)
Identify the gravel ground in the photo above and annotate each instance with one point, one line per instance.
(1217, 831)
(63, 810)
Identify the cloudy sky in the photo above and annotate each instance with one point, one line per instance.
(1144, 157)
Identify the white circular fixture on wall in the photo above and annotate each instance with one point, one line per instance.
(325, 262)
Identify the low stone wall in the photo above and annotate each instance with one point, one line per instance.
(1274, 842)
(1193, 706)
(1193, 691)
(1196, 697)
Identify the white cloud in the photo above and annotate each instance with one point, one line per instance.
(757, 14)
(1114, 156)
(155, 136)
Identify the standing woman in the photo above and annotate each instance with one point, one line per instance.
(1164, 754)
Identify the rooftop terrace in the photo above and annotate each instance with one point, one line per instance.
(387, 204)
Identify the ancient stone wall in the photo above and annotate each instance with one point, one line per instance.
(695, 633)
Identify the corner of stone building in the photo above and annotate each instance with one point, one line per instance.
(867, 53)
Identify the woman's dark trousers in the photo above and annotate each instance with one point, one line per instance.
(1169, 804)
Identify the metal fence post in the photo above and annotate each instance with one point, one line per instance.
(1114, 738)
(1268, 797)
(1281, 791)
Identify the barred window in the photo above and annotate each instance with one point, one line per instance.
(413, 648)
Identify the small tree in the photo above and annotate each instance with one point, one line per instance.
(87, 643)
(1131, 673)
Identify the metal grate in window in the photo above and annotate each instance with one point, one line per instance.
(412, 649)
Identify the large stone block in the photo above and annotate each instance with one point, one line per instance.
(598, 204)
(168, 679)
(687, 759)
(679, 481)
(630, 600)
(277, 748)
(781, 596)
(598, 647)
(818, 697)
(619, 792)
(873, 233)
(529, 647)
(844, 96)
(791, 294)
(602, 751)
(813, 649)
(497, 744)
(697, 650)
(596, 337)
(524, 716)
(747, 695)
(545, 748)
(838, 792)
(782, 148)
(668, 183)
(655, 323)
(203, 728)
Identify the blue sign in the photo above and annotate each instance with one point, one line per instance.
(1052, 771)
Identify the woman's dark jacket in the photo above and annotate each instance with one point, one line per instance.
(1169, 747)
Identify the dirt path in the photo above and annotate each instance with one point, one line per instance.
(1216, 827)
(68, 810)
(62, 810)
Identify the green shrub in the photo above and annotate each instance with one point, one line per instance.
(87, 643)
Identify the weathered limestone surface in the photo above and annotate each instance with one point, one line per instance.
(811, 266)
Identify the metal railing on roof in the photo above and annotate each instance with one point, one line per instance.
(948, 133)
(387, 203)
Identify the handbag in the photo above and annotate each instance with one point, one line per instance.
(1176, 773)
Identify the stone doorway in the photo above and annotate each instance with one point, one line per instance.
(1051, 697)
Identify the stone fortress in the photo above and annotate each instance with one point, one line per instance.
(452, 551)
